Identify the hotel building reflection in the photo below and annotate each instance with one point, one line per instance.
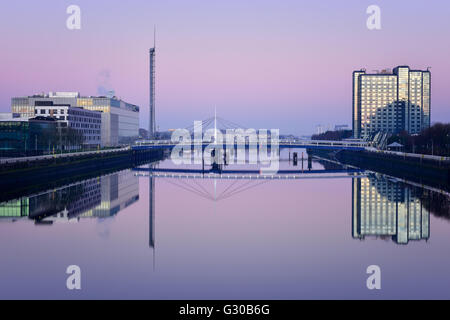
(384, 208)
(93, 198)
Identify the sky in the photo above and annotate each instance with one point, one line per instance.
(263, 64)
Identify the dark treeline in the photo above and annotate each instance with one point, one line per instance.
(333, 135)
(434, 140)
(437, 203)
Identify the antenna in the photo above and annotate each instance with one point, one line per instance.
(154, 36)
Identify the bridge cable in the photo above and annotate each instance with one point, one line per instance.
(240, 191)
(237, 189)
(192, 191)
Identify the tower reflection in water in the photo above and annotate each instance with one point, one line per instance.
(384, 208)
(99, 197)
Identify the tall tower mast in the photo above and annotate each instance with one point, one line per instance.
(152, 124)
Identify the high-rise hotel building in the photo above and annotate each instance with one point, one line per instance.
(391, 102)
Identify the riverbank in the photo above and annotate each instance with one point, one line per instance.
(433, 172)
(18, 178)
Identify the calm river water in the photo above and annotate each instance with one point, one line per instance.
(187, 236)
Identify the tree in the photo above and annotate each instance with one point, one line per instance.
(333, 135)
(434, 140)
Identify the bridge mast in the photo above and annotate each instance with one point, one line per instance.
(215, 125)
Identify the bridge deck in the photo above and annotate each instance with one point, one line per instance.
(312, 144)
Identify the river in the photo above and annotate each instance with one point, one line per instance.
(185, 235)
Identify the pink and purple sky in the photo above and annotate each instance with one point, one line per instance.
(263, 64)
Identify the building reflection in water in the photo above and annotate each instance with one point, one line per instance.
(386, 208)
(381, 207)
(100, 197)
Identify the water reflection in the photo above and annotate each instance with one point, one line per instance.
(251, 237)
(382, 207)
(99, 197)
(151, 209)
(386, 208)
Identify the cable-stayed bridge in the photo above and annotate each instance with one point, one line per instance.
(224, 126)
(283, 143)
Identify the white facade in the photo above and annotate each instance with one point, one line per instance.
(110, 129)
(121, 126)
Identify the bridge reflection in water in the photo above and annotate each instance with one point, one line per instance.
(382, 208)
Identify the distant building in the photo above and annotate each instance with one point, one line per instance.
(143, 133)
(391, 102)
(341, 127)
(120, 120)
(320, 129)
(8, 116)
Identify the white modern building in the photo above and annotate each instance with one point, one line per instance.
(120, 120)
(87, 122)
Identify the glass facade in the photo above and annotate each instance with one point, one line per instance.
(18, 138)
(356, 104)
(15, 208)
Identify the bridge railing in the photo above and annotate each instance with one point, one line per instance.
(410, 155)
(361, 144)
(59, 155)
(293, 142)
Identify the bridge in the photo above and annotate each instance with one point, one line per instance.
(283, 143)
(220, 125)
